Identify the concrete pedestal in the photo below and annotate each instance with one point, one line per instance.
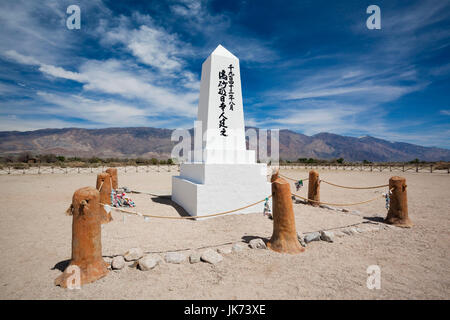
(203, 188)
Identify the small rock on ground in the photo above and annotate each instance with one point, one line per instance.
(195, 257)
(313, 236)
(118, 263)
(224, 250)
(148, 262)
(211, 256)
(327, 236)
(301, 239)
(133, 254)
(174, 257)
(257, 244)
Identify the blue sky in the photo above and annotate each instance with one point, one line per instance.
(308, 66)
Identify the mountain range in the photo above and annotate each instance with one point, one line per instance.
(144, 142)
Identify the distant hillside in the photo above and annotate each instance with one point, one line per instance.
(155, 142)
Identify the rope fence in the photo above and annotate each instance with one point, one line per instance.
(358, 188)
(338, 204)
(255, 203)
(187, 217)
(281, 175)
(340, 186)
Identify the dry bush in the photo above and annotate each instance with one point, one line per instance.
(20, 166)
(442, 166)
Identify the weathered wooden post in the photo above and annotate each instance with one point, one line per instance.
(314, 188)
(104, 187)
(284, 237)
(115, 179)
(398, 204)
(87, 262)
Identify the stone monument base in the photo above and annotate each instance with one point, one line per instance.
(203, 189)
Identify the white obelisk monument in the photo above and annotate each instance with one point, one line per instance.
(222, 174)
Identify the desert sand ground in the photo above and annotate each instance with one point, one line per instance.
(415, 263)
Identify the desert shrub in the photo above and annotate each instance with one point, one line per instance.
(76, 164)
(21, 166)
(95, 160)
(24, 157)
(113, 164)
(49, 158)
(442, 166)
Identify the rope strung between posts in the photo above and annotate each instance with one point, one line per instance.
(190, 217)
(383, 195)
(147, 193)
(338, 204)
(291, 178)
(337, 185)
(346, 187)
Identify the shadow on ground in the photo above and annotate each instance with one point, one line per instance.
(168, 201)
(247, 239)
(62, 265)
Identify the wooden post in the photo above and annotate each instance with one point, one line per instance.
(398, 207)
(314, 188)
(104, 181)
(86, 240)
(431, 168)
(284, 236)
(115, 179)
